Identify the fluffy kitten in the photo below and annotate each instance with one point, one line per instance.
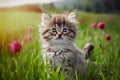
(57, 33)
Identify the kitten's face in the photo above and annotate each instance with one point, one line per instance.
(58, 29)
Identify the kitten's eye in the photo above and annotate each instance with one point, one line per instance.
(54, 30)
(64, 29)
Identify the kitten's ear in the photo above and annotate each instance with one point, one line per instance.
(45, 17)
(72, 17)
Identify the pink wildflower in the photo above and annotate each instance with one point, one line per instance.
(15, 46)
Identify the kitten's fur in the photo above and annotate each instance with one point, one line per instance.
(57, 33)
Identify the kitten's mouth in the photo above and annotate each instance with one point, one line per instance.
(59, 38)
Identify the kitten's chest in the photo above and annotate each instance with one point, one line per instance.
(61, 58)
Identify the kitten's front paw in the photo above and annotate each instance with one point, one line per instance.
(88, 49)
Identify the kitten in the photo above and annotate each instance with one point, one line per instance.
(57, 33)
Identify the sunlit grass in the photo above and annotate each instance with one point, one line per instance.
(28, 64)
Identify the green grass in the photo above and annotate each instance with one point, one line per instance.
(28, 64)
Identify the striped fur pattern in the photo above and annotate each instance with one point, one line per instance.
(57, 33)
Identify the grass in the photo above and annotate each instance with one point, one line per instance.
(28, 64)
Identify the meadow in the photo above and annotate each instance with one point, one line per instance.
(104, 64)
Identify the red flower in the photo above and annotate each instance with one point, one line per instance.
(15, 46)
(93, 25)
(101, 25)
(108, 37)
(0, 47)
(30, 29)
(27, 38)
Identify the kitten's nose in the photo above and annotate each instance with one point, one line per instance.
(59, 35)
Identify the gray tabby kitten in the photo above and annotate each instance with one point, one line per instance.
(57, 33)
